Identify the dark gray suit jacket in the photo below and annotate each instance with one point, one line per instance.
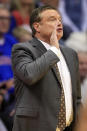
(37, 87)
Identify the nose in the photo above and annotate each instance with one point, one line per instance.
(59, 23)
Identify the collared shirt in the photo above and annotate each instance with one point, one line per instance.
(66, 79)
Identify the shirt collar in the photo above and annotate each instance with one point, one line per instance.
(47, 46)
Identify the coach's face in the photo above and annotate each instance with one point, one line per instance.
(49, 20)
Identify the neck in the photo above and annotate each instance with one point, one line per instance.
(45, 39)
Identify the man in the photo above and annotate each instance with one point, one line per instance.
(6, 73)
(39, 91)
(6, 43)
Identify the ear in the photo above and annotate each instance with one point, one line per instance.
(36, 26)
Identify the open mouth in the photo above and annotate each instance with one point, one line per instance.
(59, 29)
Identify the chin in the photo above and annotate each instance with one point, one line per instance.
(59, 37)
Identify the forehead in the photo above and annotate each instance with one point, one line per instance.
(50, 13)
(4, 12)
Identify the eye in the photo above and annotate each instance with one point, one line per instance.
(52, 19)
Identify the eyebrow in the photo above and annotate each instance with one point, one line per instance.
(54, 17)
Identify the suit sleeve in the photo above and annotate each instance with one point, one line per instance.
(26, 68)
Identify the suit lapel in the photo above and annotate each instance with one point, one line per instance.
(39, 46)
(69, 62)
(55, 73)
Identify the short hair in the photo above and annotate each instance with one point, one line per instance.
(36, 17)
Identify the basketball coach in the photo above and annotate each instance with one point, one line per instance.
(46, 77)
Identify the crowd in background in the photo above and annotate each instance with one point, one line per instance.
(14, 28)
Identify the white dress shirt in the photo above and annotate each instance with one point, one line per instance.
(66, 80)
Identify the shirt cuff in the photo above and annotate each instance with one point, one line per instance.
(56, 51)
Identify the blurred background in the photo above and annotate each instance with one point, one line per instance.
(15, 28)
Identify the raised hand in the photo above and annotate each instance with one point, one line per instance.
(54, 39)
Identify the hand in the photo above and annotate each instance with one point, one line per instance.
(54, 39)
